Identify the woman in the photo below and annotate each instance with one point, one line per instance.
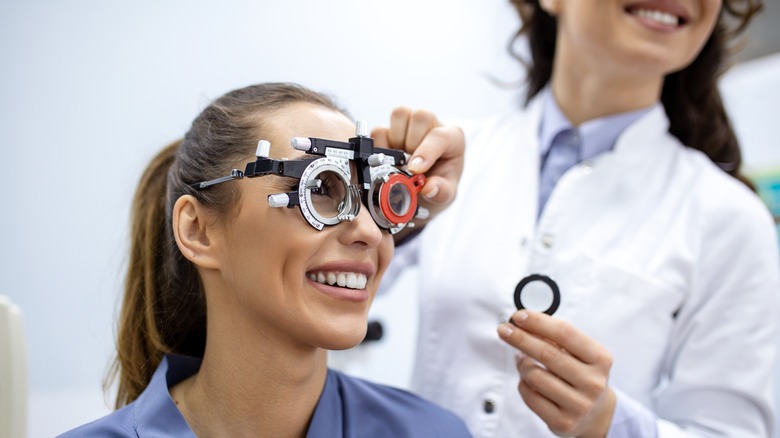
(620, 181)
(229, 303)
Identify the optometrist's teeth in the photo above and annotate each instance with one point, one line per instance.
(350, 280)
(661, 17)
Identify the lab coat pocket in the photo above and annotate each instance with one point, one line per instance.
(632, 315)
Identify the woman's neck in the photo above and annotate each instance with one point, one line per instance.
(585, 90)
(245, 390)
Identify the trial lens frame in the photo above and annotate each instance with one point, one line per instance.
(377, 169)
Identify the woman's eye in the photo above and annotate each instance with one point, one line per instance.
(322, 190)
(328, 185)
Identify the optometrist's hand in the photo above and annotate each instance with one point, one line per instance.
(563, 374)
(436, 150)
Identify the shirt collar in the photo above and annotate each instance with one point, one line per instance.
(595, 136)
(156, 413)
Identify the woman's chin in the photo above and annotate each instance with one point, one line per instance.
(345, 337)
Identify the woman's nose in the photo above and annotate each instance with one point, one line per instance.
(362, 229)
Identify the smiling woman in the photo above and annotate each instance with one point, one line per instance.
(626, 189)
(229, 306)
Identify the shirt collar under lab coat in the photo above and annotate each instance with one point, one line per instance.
(596, 136)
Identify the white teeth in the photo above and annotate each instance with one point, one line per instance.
(351, 280)
(661, 17)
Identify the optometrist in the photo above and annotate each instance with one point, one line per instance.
(620, 180)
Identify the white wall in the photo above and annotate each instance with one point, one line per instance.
(90, 90)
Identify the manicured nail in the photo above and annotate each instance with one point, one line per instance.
(505, 330)
(519, 317)
(415, 164)
(519, 356)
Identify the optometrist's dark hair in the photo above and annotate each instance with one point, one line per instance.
(690, 96)
(164, 309)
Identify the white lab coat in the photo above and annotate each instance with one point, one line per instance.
(660, 256)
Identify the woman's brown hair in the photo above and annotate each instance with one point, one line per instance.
(164, 309)
(690, 96)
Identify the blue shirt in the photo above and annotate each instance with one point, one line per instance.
(562, 145)
(348, 407)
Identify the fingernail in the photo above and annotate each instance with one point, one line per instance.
(415, 164)
(505, 330)
(520, 317)
(432, 193)
(519, 356)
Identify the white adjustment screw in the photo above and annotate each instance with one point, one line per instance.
(379, 159)
(263, 148)
(361, 128)
(301, 143)
(279, 200)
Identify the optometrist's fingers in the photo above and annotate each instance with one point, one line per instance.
(440, 157)
(420, 124)
(578, 388)
(555, 402)
(549, 385)
(411, 129)
(554, 358)
(563, 334)
(560, 421)
(435, 150)
(394, 136)
(589, 378)
(381, 136)
(408, 127)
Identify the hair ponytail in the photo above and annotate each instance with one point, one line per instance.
(139, 345)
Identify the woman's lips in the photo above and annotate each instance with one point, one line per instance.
(661, 15)
(342, 293)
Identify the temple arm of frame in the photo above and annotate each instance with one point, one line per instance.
(234, 174)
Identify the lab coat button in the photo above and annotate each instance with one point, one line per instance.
(523, 242)
(489, 406)
(547, 241)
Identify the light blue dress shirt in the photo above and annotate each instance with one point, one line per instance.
(348, 407)
(562, 145)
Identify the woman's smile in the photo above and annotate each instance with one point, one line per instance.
(662, 16)
(344, 279)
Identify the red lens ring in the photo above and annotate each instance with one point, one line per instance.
(413, 185)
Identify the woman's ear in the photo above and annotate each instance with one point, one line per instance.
(193, 231)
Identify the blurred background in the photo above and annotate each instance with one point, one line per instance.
(90, 90)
